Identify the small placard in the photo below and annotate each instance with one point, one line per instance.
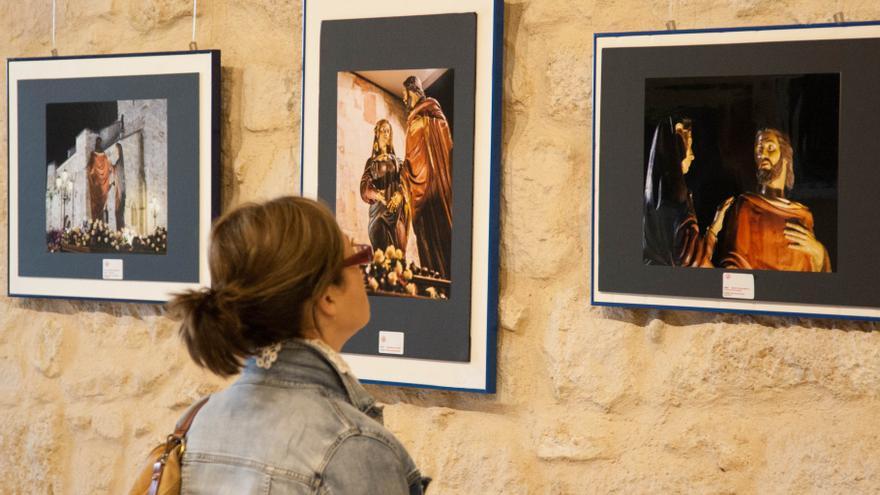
(738, 286)
(391, 343)
(112, 269)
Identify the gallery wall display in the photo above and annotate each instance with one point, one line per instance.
(113, 174)
(401, 139)
(735, 170)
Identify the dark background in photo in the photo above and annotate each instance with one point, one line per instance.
(441, 90)
(727, 112)
(64, 121)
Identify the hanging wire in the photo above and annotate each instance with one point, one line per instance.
(670, 24)
(192, 44)
(54, 48)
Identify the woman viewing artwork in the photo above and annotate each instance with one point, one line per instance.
(287, 293)
(382, 187)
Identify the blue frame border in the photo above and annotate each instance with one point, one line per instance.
(216, 111)
(593, 301)
(494, 201)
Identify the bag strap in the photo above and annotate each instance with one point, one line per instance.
(183, 425)
(173, 441)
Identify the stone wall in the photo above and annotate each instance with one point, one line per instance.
(590, 400)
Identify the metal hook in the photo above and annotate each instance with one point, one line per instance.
(670, 26)
(838, 18)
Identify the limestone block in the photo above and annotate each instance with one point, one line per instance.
(263, 32)
(590, 362)
(731, 361)
(538, 212)
(268, 97)
(266, 169)
(548, 15)
(823, 455)
(12, 383)
(147, 15)
(33, 442)
(465, 439)
(562, 446)
(513, 313)
(93, 467)
(109, 424)
(46, 348)
(143, 430)
(570, 82)
(78, 418)
(99, 381)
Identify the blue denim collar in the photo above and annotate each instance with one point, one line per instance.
(303, 362)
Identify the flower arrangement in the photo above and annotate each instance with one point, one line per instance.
(97, 237)
(391, 273)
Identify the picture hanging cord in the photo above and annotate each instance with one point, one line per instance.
(54, 48)
(192, 44)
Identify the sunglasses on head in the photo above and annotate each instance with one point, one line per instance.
(363, 255)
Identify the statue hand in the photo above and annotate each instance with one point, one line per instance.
(804, 240)
(380, 197)
(395, 202)
(718, 221)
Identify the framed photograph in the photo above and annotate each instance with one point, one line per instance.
(401, 138)
(734, 170)
(113, 174)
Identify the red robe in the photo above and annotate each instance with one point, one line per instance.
(428, 174)
(753, 236)
(99, 172)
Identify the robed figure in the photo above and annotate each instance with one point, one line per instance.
(428, 171)
(671, 233)
(106, 185)
(383, 188)
(99, 171)
(764, 230)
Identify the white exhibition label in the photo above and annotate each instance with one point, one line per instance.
(112, 269)
(391, 343)
(738, 286)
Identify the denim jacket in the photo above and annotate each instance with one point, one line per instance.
(303, 426)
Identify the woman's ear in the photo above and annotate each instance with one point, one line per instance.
(327, 305)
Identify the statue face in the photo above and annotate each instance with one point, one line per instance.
(384, 135)
(407, 99)
(768, 159)
(687, 137)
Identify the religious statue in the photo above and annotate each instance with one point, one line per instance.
(428, 174)
(765, 230)
(671, 234)
(382, 187)
(106, 182)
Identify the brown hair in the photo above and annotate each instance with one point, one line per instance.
(268, 262)
(414, 84)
